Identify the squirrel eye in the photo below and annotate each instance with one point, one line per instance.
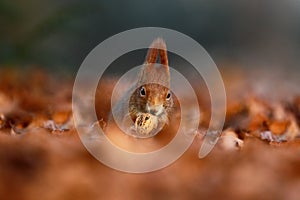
(168, 95)
(142, 92)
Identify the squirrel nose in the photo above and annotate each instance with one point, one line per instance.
(155, 109)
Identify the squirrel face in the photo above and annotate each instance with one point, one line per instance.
(151, 98)
(156, 98)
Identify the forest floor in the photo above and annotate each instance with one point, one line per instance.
(257, 157)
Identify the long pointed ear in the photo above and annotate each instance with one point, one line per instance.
(157, 46)
(163, 53)
(152, 54)
(150, 72)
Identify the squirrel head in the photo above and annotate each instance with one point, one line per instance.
(153, 94)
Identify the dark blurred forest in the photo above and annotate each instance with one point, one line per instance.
(58, 34)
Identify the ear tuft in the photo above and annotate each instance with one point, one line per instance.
(157, 46)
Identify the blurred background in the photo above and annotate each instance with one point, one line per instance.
(254, 43)
(58, 34)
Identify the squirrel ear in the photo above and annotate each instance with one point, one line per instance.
(158, 45)
(163, 53)
(151, 56)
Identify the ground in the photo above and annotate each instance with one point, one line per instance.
(42, 157)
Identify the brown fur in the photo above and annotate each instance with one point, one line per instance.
(155, 80)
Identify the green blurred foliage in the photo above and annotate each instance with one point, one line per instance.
(61, 33)
(23, 29)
